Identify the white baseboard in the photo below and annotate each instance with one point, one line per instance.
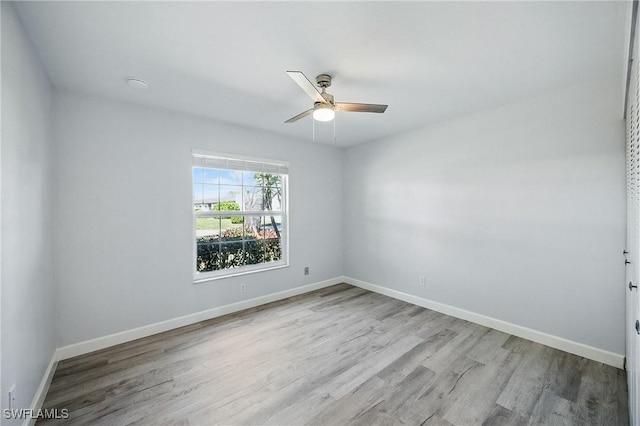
(43, 388)
(92, 345)
(580, 349)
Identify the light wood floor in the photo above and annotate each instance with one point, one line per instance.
(337, 356)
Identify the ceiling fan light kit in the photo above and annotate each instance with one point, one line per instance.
(324, 108)
(323, 112)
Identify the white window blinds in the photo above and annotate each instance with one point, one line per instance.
(247, 164)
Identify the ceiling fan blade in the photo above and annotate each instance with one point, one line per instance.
(306, 85)
(299, 116)
(351, 107)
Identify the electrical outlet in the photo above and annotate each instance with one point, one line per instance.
(423, 281)
(243, 288)
(12, 397)
(306, 270)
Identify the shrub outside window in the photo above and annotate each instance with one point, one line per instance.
(239, 215)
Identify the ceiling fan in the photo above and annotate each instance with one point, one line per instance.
(324, 107)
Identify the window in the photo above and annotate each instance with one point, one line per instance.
(239, 215)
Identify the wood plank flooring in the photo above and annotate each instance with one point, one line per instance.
(336, 356)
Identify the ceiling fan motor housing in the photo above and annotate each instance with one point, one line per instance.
(328, 97)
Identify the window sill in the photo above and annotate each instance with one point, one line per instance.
(237, 274)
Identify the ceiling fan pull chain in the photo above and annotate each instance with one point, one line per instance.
(334, 130)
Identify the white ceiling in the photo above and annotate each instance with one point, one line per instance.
(430, 61)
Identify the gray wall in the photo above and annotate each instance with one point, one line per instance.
(517, 213)
(123, 217)
(28, 333)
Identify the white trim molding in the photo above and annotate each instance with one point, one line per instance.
(96, 344)
(43, 388)
(600, 355)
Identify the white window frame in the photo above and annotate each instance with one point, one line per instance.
(248, 164)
